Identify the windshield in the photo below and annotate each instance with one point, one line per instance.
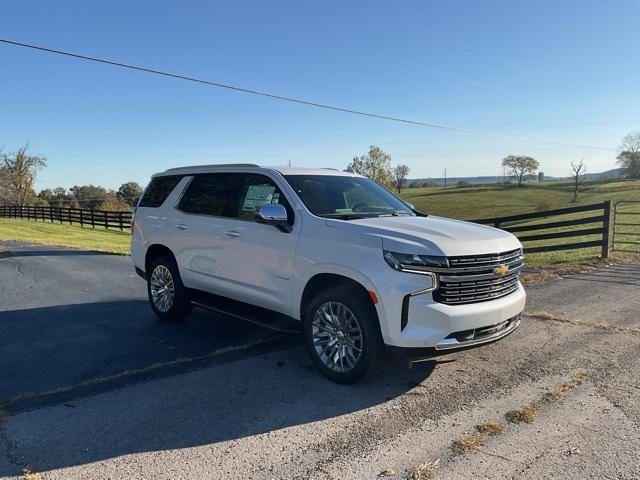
(345, 197)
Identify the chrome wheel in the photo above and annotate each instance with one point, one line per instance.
(162, 289)
(337, 337)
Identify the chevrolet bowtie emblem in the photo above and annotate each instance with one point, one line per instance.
(501, 270)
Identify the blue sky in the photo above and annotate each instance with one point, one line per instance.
(566, 71)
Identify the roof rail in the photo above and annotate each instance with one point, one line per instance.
(216, 165)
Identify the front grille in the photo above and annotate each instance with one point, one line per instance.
(474, 278)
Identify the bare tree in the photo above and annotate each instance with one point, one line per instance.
(18, 173)
(376, 165)
(520, 166)
(629, 155)
(579, 173)
(400, 173)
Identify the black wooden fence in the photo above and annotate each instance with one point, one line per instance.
(600, 224)
(82, 216)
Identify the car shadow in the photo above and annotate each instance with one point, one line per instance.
(256, 381)
(54, 253)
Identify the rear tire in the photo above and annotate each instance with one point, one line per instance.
(167, 295)
(342, 334)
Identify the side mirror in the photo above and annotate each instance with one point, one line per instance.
(273, 214)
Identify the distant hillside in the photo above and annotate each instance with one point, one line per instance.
(609, 174)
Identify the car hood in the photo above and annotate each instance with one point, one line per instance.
(432, 235)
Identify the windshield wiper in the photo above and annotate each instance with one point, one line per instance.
(344, 216)
(397, 213)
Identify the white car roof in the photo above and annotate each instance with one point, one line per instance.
(226, 167)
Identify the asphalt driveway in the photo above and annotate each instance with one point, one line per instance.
(94, 386)
(73, 322)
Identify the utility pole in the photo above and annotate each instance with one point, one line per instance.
(445, 178)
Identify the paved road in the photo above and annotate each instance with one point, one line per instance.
(96, 387)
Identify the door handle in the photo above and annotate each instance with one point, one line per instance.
(232, 233)
(182, 226)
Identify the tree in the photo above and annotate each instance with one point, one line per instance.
(400, 173)
(578, 172)
(18, 173)
(88, 196)
(130, 192)
(629, 155)
(114, 203)
(520, 166)
(375, 165)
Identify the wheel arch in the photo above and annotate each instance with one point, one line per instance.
(155, 251)
(323, 281)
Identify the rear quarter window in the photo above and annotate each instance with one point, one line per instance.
(158, 190)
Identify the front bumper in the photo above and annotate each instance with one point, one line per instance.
(444, 327)
(458, 341)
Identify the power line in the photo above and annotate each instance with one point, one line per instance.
(298, 100)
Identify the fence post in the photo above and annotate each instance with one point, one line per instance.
(51, 213)
(93, 218)
(607, 229)
(69, 213)
(106, 221)
(120, 221)
(81, 218)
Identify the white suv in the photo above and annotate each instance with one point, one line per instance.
(358, 267)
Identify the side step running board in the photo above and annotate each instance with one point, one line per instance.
(245, 312)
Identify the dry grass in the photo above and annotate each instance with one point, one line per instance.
(556, 393)
(548, 316)
(469, 443)
(27, 474)
(525, 414)
(557, 271)
(387, 472)
(490, 428)
(422, 471)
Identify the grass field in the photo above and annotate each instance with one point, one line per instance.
(463, 203)
(44, 233)
(469, 203)
(489, 201)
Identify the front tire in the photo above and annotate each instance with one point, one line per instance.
(342, 334)
(167, 295)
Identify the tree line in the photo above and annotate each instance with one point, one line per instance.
(19, 171)
(376, 165)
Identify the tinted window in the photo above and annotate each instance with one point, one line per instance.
(213, 194)
(158, 190)
(232, 195)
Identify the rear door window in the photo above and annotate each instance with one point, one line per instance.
(158, 190)
(216, 194)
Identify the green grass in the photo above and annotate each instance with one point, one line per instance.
(463, 203)
(44, 233)
(498, 201)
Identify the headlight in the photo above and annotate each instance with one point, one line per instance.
(407, 262)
